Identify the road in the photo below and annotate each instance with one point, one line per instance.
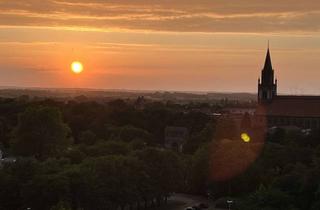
(181, 201)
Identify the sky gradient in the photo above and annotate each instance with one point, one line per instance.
(193, 45)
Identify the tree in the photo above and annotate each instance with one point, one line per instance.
(267, 199)
(60, 206)
(106, 148)
(106, 182)
(225, 129)
(128, 133)
(87, 137)
(199, 172)
(41, 133)
(164, 169)
(9, 195)
(48, 186)
(204, 136)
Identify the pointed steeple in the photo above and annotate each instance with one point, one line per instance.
(267, 86)
(268, 63)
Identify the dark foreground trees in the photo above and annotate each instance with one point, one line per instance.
(110, 170)
(143, 178)
(117, 160)
(41, 133)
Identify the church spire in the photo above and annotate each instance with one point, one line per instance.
(267, 86)
(268, 63)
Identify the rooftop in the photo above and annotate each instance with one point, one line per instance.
(292, 106)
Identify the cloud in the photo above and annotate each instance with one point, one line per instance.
(254, 16)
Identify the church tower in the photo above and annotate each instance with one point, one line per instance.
(267, 86)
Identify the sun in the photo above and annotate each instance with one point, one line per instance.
(76, 67)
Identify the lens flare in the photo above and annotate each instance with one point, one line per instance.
(245, 137)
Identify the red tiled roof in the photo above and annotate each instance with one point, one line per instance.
(293, 106)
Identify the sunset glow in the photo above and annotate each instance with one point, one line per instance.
(213, 45)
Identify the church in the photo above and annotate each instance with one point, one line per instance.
(284, 110)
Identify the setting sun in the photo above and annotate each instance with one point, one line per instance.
(76, 67)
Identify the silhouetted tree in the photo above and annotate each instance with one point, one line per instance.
(41, 133)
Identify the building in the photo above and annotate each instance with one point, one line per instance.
(140, 103)
(176, 137)
(284, 110)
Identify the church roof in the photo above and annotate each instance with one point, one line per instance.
(268, 63)
(291, 106)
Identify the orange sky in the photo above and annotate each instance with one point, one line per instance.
(208, 45)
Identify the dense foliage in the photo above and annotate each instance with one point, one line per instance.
(89, 155)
